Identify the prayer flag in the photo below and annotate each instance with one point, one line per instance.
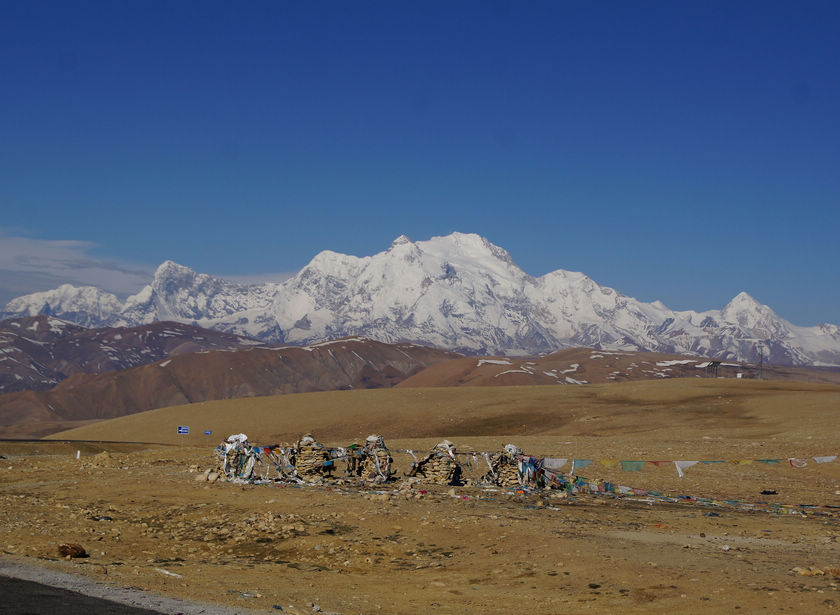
(684, 465)
(553, 463)
(632, 466)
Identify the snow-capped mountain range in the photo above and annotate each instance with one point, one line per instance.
(459, 292)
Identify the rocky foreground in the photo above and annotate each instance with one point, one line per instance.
(148, 518)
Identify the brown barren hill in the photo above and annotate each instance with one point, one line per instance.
(196, 377)
(576, 366)
(38, 352)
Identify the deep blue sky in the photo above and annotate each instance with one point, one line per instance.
(677, 151)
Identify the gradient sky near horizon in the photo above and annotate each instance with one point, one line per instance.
(671, 150)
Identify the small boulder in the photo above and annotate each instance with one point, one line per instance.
(71, 550)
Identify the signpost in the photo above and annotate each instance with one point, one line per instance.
(183, 430)
(207, 432)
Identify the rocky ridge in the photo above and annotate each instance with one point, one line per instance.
(38, 352)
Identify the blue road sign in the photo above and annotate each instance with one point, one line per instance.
(183, 429)
(208, 432)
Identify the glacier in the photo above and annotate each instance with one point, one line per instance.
(459, 292)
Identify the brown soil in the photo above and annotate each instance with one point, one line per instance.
(139, 510)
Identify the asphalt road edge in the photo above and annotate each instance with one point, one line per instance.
(123, 595)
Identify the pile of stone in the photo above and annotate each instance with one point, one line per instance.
(353, 455)
(282, 457)
(504, 467)
(237, 457)
(440, 466)
(376, 464)
(308, 461)
(313, 460)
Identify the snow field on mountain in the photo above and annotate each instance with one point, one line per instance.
(459, 292)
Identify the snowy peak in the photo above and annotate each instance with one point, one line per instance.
(84, 305)
(754, 317)
(400, 241)
(458, 291)
(465, 247)
(171, 274)
(168, 269)
(743, 302)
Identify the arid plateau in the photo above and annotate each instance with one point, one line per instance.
(147, 520)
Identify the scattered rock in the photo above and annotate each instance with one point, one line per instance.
(71, 550)
(813, 571)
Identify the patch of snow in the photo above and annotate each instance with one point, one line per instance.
(244, 341)
(514, 371)
(344, 341)
(361, 358)
(493, 362)
(56, 325)
(675, 362)
(165, 363)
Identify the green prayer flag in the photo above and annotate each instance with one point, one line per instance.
(632, 466)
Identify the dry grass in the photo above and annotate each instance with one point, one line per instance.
(689, 413)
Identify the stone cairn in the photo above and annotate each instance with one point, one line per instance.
(308, 461)
(440, 466)
(236, 459)
(283, 457)
(376, 464)
(504, 467)
(312, 460)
